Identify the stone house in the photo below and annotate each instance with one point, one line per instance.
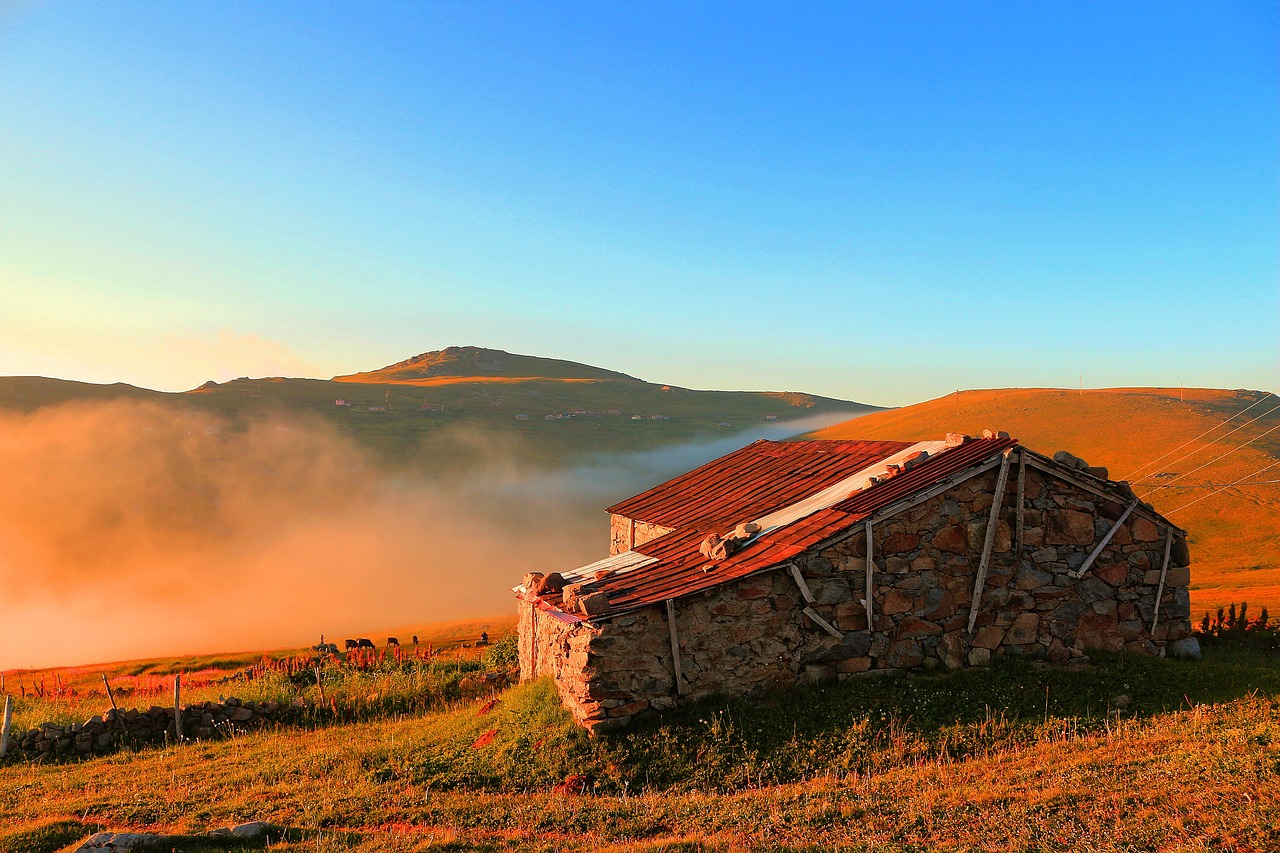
(790, 562)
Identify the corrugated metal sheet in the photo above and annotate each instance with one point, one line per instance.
(757, 479)
(676, 568)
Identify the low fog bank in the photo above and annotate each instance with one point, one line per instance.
(130, 530)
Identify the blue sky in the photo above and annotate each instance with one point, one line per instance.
(875, 201)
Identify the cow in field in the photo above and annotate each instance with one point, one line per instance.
(352, 645)
(364, 643)
(392, 641)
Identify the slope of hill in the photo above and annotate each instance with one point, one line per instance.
(1234, 534)
(545, 411)
(475, 362)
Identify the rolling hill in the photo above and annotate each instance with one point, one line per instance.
(1234, 535)
(547, 411)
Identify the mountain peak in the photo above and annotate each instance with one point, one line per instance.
(468, 361)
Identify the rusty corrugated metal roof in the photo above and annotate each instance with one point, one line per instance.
(679, 569)
(752, 481)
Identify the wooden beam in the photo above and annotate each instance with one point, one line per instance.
(823, 623)
(913, 500)
(804, 587)
(675, 646)
(177, 707)
(871, 568)
(631, 533)
(1164, 568)
(933, 491)
(1022, 491)
(1097, 549)
(992, 520)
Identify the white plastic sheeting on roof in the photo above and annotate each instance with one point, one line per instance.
(833, 494)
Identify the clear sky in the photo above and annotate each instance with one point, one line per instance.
(880, 201)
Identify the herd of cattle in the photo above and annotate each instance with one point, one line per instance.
(364, 643)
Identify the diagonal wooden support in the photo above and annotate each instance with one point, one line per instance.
(799, 579)
(1164, 568)
(675, 646)
(823, 623)
(989, 540)
(1097, 549)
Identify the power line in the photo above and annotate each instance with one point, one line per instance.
(1218, 485)
(1203, 434)
(1219, 438)
(1224, 488)
(1224, 455)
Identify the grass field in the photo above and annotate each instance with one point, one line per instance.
(1123, 754)
(1235, 536)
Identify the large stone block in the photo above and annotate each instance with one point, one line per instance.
(1023, 630)
(988, 638)
(953, 539)
(895, 601)
(1095, 631)
(1069, 527)
(904, 654)
(1144, 531)
(913, 627)
(900, 543)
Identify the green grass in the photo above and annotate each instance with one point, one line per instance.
(971, 760)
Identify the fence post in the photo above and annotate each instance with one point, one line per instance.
(8, 721)
(177, 706)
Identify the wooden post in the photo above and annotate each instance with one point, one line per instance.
(871, 567)
(177, 706)
(799, 579)
(4, 729)
(992, 520)
(110, 696)
(1164, 567)
(1022, 488)
(675, 646)
(823, 623)
(631, 533)
(1097, 549)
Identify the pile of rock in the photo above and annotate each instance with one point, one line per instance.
(107, 732)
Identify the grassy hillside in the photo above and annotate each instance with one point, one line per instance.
(1127, 754)
(417, 410)
(1234, 535)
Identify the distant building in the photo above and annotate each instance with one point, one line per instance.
(522, 417)
(636, 418)
(339, 402)
(770, 417)
(377, 408)
(612, 412)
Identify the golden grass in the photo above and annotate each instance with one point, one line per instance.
(1207, 778)
(1234, 540)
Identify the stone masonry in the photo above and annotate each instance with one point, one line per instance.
(751, 634)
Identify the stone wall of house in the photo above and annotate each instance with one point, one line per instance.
(752, 634)
(623, 537)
